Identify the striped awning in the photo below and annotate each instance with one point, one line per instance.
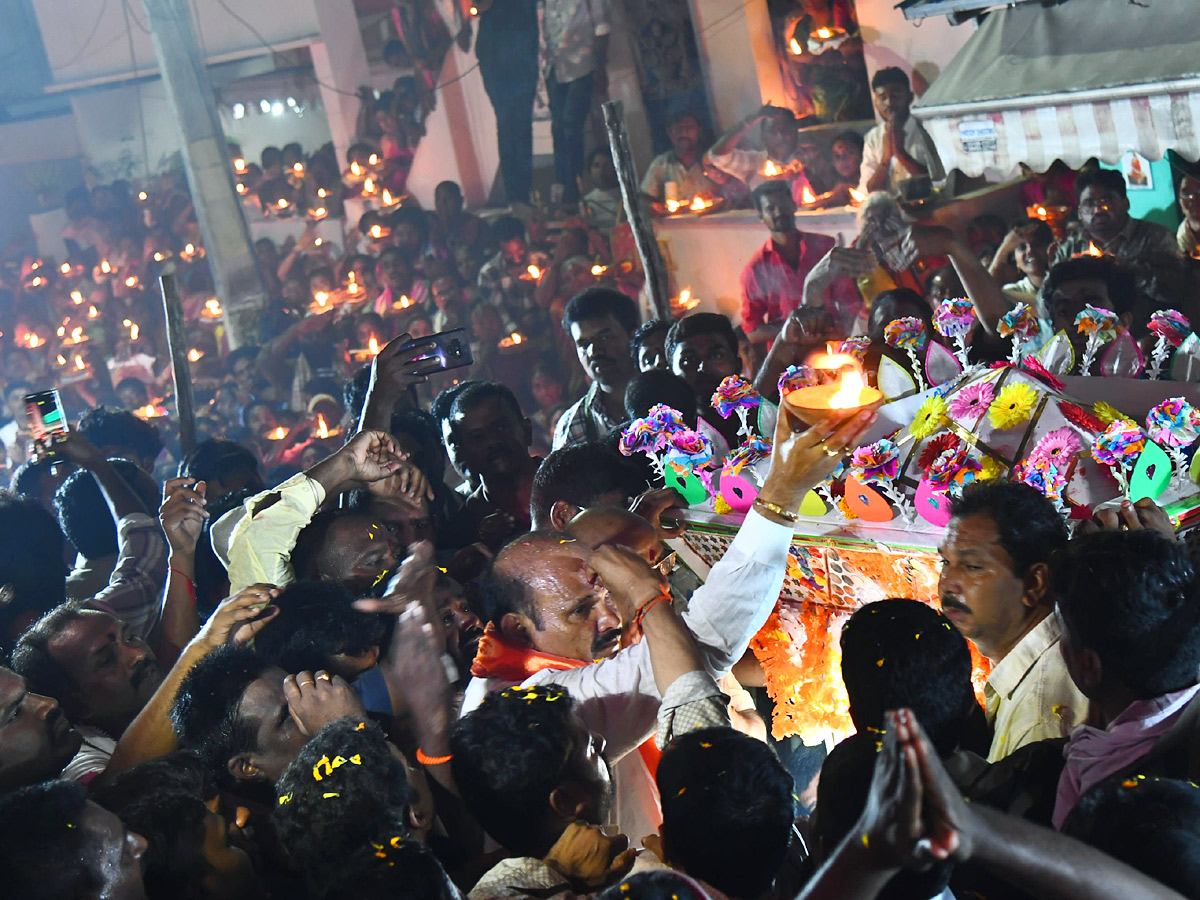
(1088, 78)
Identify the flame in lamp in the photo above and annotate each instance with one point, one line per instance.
(373, 159)
(77, 297)
(65, 268)
(143, 196)
(848, 392)
(38, 281)
(355, 169)
(239, 165)
(318, 242)
(195, 355)
(189, 250)
(699, 204)
(512, 340)
(770, 170)
(857, 196)
(823, 34)
(369, 186)
(534, 272)
(352, 287)
(322, 193)
(131, 281)
(158, 257)
(320, 212)
(807, 196)
(599, 270)
(673, 205)
(148, 411)
(404, 302)
(373, 346)
(93, 312)
(322, 297)
(105, 267)
(686, 300)
(77, 335)
(298, 168)
(80, 365)
(62, 331)
(794, 46)
(1093, 250)
(212, 308)
(282, 204)
(134, 331)
(474, 10)
(277, 434)
(387, 197)
(322, 428)
(376, 231)
(31, 340)
(240, 188)
(62, 360)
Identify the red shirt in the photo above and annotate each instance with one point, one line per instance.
(771, 288)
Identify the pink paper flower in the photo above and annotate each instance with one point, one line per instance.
(877, 463)
(1059, 446)
(972, 401)
(949, 464)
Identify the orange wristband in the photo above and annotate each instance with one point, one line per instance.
(432, 760)
(664, 594)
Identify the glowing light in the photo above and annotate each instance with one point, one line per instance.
(62, 331)
(673, 205)
(322, 193)
(134, 331)
(1041, 212)
(404, 302)
(599, 270)
(474, 10)
(298, 168)
(807, 196)
(320, 212)
(127, 322)
(131, 281)
(685, 300)
(322, 428)
(241, 188)
(239, 165)
(1093, 250)
(147, 412)
(143, 196)
(105, 267)
(376, 231)
(387, 197)
(373, 159)
(189, 249)
(31, 340)
(277, 108)
(369, 186)
(158, 257)
(857, 196)
(513, 340)
(824, 34)
(373, 346)
(93, 312)
(77, 297)
(318, 242)
(195, 355)
(80, 365)
(770, 169)
(77, 335)
(322, 298)
(352, 287)
(794, 46)
(534, 272)
(699, 204)
(212, 308)
(65, 268)
(282, 204)
(62, 360)
(38, 281)
(277, 434)
(355, 169)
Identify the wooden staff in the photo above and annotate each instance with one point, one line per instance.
(181, 368)
(657, 287)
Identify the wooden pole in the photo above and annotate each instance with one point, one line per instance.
(657, 284)
(181, 368)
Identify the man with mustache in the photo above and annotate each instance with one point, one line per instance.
(601, 323)
(995, 588)
(36, 740)
(556, 614)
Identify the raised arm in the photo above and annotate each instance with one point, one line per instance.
(982, 288)
(182, 516)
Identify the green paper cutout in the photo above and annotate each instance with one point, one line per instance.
(1152, 474)
(687, 483)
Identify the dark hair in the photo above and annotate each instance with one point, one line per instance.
(219, 458)
(890, 75)
(452, 186)
(1131, 597)
(850, 137)
(407, 215)
(770, 186)
(477, 392)
(44, 854)
(596, 302)
(205, 712)
(253, 405)
(1151, 824)
(383, 870)
(173, 825)
(647, 389)
(1041, 233)
(326, 810)
(30, 478)
(902, 654)
(657, 884)
(31, 657)
(443, 403)
(427, 432)
(579, 475)
(507, 228)
(645, 332)
(1029, 527)
(31, 557)
(1119, 281)
(271, 156)
(354, 391)
(701, 323)
(310, 542)
(135, 383)
(509, 755)
(118, 429)
(1108, 179)
(317, 621)
(842, 793)
(83, 513)
(726, 799)
(180, 772)
(681, 114)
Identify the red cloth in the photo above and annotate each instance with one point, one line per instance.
(771, 288)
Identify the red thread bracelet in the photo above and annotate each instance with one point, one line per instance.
(432, 760)
(663, 594)
(191, 588)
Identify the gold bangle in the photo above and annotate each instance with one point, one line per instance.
(776, 508)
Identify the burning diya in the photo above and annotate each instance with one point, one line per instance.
(513, 340)
(848, 393)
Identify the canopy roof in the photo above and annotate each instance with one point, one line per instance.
(1082, 79)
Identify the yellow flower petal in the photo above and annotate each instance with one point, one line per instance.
(929, 417)
(1012, 405)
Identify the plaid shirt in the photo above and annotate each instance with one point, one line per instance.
(134, 590)
(585, 421)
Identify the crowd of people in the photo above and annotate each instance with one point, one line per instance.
(391, 631)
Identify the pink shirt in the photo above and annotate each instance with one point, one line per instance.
(771, 288)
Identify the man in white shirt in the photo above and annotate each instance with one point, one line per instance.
(551, 621)
(900, 148)
(995, 588)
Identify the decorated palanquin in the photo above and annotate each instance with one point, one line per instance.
(871, 530)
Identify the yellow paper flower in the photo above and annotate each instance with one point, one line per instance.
(1012, 405)
(1108, 414)
(929, 418)
(991, 469)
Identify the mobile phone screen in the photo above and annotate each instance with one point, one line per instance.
(46, 418)
(451, 350)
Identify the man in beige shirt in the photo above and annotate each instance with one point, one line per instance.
(994, 587)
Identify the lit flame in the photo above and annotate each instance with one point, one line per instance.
(62, 331)
(241, 188)
(318, 242)
(673, 205)
(239, 165)
(512, 340)
(474, 10)
(355, 169)
(599, 270)
(795, 47)
(1093, 250)
(322, 193)
(77, 297)
(807, 195)
(212, 307)
(369, 186)
(93, 312)
(405, 303)
(31, 340)
(699, 204)
(277, 434)
(857, 196)
(105, 267)
(534, 272)
(158, 257)
(142, 195)
(189, 249)
(1041, 212)
(77, 334)
(134, 331)
(373, 346)
(322, 428)
(686, 300)
(322, 297)
(373, 159)
(62, 360)
(851, 385)
(824, 34)
(283, 204)
(38, 281)
(770, 169)
(80, 365)
(195, 355)
(65, 268)
(148, 411)
(376, 231)
(352, 287)
(516, 337)
(131, 281)
(387, 197)
(298, 168)
(320, 212)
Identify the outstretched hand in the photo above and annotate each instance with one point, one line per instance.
(372, 456)
(803, 457)
(240, 617)
(183, 513)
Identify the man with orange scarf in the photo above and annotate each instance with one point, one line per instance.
(555, 615)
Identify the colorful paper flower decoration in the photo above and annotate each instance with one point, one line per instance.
(877, 463)
(954, 318)
(935, 448)
(1120, 443)
(795, 377)
(946, 468)
(1174, 422)
(1060, 447)
(1012, 406)
(972, 401)
(907, 333)
(929, 418)
(989, 469)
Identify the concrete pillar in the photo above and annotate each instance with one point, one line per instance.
(340, 62)
(738, 57)
(218, 208)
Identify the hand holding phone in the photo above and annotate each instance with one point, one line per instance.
(47, 421)
(448, 350)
